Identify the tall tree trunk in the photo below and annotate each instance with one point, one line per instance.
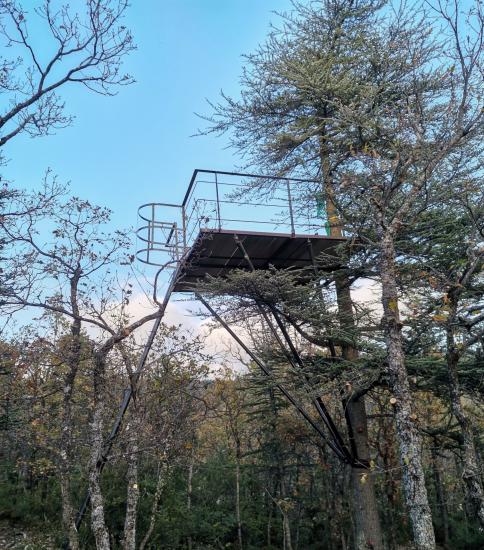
(298, 526)
(367, 520)
(279, 496)
(98, 521)
(413, 478)
(160, 484)
(440, 493)
(132, 496)
(365, 509)
(270, 504)
(286, 526)
(237, 494)
(390, 466)
(470, 464)
(189, 495)
(65, 445)
(73, 360)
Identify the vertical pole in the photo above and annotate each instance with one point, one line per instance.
(311, 254)
(184, 228)
(151, 233)
(175, 230)
(218, 203)
(291, 213)
(152, 239)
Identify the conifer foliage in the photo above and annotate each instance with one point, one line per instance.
(379, 106)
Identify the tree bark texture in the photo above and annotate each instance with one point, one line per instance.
(160, 484)
(286, 525)
(72, 360)
(413, 479)
(368, 533)
(441, 497)
(98, 521)
(365, 508)
(132, 496)
(237, 496)
(65, 444)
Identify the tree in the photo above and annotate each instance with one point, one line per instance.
(380, 126)
(15, 205)
(71, 274)
(292, 88)
(433, 118)
(87, 47)
(231, 406)
(167, 400)
(157, 426)
(443, 248)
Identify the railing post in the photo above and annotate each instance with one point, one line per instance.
(151, 233)
(148, 243)
(153, 214)
(184, 228)
(175, 230)
(218, 203)
(291, 214)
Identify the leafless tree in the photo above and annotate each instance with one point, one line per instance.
(86, 47)
(67, 265)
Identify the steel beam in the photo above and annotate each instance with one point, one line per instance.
(267, 371)
(317, 401)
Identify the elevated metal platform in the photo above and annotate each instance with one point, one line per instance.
(280, 220)
(216, 253)
(228, 221)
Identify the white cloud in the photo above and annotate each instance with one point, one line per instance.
(218, 343)
(368, 293)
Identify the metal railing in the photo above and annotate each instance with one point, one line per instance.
(162, 242)
(218, 200)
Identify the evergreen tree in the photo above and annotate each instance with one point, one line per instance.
(380, 124)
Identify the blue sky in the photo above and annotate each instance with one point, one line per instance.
(136, 147)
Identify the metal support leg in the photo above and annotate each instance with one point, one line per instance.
(269, 374)
(317, 401)
(357, 462)
(313, 259)
(127, 397)
(296, 362)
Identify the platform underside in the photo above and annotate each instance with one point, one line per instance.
(216, 253)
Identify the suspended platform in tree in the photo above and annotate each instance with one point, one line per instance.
(215, 252)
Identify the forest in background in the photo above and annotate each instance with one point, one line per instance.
(380, 106)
